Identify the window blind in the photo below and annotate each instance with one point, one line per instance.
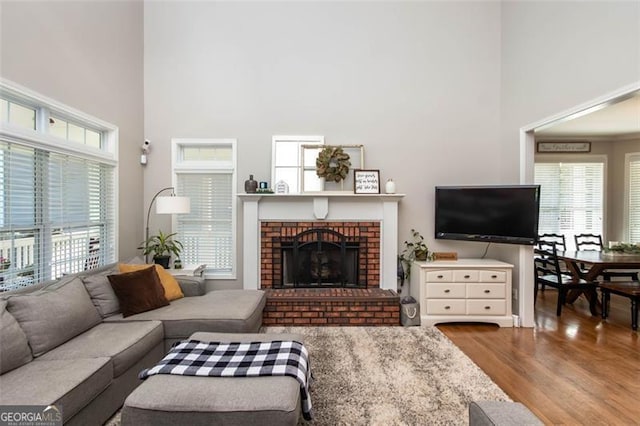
(571, 198)
(58, 214)
(207, 232)
(634, 199)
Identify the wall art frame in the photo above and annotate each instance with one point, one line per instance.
(563, 147)
(366, 181)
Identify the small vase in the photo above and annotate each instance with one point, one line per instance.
(250, 185)
(390, 187)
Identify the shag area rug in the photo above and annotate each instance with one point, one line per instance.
(389, 376)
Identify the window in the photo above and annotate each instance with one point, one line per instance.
(633, 205)
(16, 114)
(205, 171)
(571, 197)
(73, 132)
(288, 164)
(57, 200)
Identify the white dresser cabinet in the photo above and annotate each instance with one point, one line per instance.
(463, 290)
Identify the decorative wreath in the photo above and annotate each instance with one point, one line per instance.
(333, 164)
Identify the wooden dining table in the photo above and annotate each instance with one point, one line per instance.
(596, 262)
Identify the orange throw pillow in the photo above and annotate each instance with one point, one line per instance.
(172, 290)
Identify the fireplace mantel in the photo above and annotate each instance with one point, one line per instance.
(320, 206)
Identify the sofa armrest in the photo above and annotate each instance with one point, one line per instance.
(501, 413)
(191, 286)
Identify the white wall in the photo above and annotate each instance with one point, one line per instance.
(436, 91)
(87, 55)
(557, 55)
(417, 83)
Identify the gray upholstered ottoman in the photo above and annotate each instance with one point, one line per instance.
(169, 400)
(501, 413)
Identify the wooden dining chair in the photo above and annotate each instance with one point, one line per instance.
(588, 242)
(594, 242)
(546, 242)
(561, 243)
(548, 273)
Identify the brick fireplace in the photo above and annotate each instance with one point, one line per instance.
(323, 258)
(319, 254)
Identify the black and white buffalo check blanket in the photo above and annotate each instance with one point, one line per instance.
(219, 359)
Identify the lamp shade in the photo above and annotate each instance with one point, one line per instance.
(173, 205)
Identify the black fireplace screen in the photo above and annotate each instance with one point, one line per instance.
(321, 258)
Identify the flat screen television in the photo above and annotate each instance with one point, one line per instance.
(499, 214)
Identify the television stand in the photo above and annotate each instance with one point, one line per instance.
(463, 290)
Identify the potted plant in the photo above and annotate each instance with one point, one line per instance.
(162, 246)
(414, 250)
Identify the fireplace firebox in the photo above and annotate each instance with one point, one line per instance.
(321, 258)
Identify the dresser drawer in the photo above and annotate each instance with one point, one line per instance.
(446, 307)
(493, 276)
(462, 276)
(486, 307)
(439, 276)
(486, 291)
(446, 290)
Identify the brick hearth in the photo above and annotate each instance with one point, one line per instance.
(332, 306)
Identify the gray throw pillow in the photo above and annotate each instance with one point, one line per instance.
(14, 348)
(101, 292)
(52, 316)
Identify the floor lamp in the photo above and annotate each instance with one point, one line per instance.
(166, 205)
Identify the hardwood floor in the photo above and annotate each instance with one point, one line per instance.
(575, 369)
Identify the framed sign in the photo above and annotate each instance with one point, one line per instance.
(366, 181)
(564, 147)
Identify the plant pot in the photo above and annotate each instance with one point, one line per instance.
(162, 260)
(421, 255)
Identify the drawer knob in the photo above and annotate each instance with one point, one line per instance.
(467, 276)
(487, 307)
(440, 276)
(487, 291)
(447, 291)
(494, 276)
(447, 307)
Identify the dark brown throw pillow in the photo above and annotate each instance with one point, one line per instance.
(138, 291)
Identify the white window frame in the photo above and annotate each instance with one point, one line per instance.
(628, 158)
(568, 158)
(40, 138)
(300, 140)
(180, 166)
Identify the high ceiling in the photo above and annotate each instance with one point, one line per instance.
(618, 119)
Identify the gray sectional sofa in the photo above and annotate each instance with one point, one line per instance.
(65, 342)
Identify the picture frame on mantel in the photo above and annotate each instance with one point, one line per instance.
(366, 181)
(563, 147)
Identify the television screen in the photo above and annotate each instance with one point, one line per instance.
(501, 214)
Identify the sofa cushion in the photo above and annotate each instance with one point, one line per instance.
(496, 413)
(172, 290)
(55, 314)
(221, 310)
(102, 295)
(191, 285)
(14, 348)
(138, 291)
(71, 384)
(124, 342)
